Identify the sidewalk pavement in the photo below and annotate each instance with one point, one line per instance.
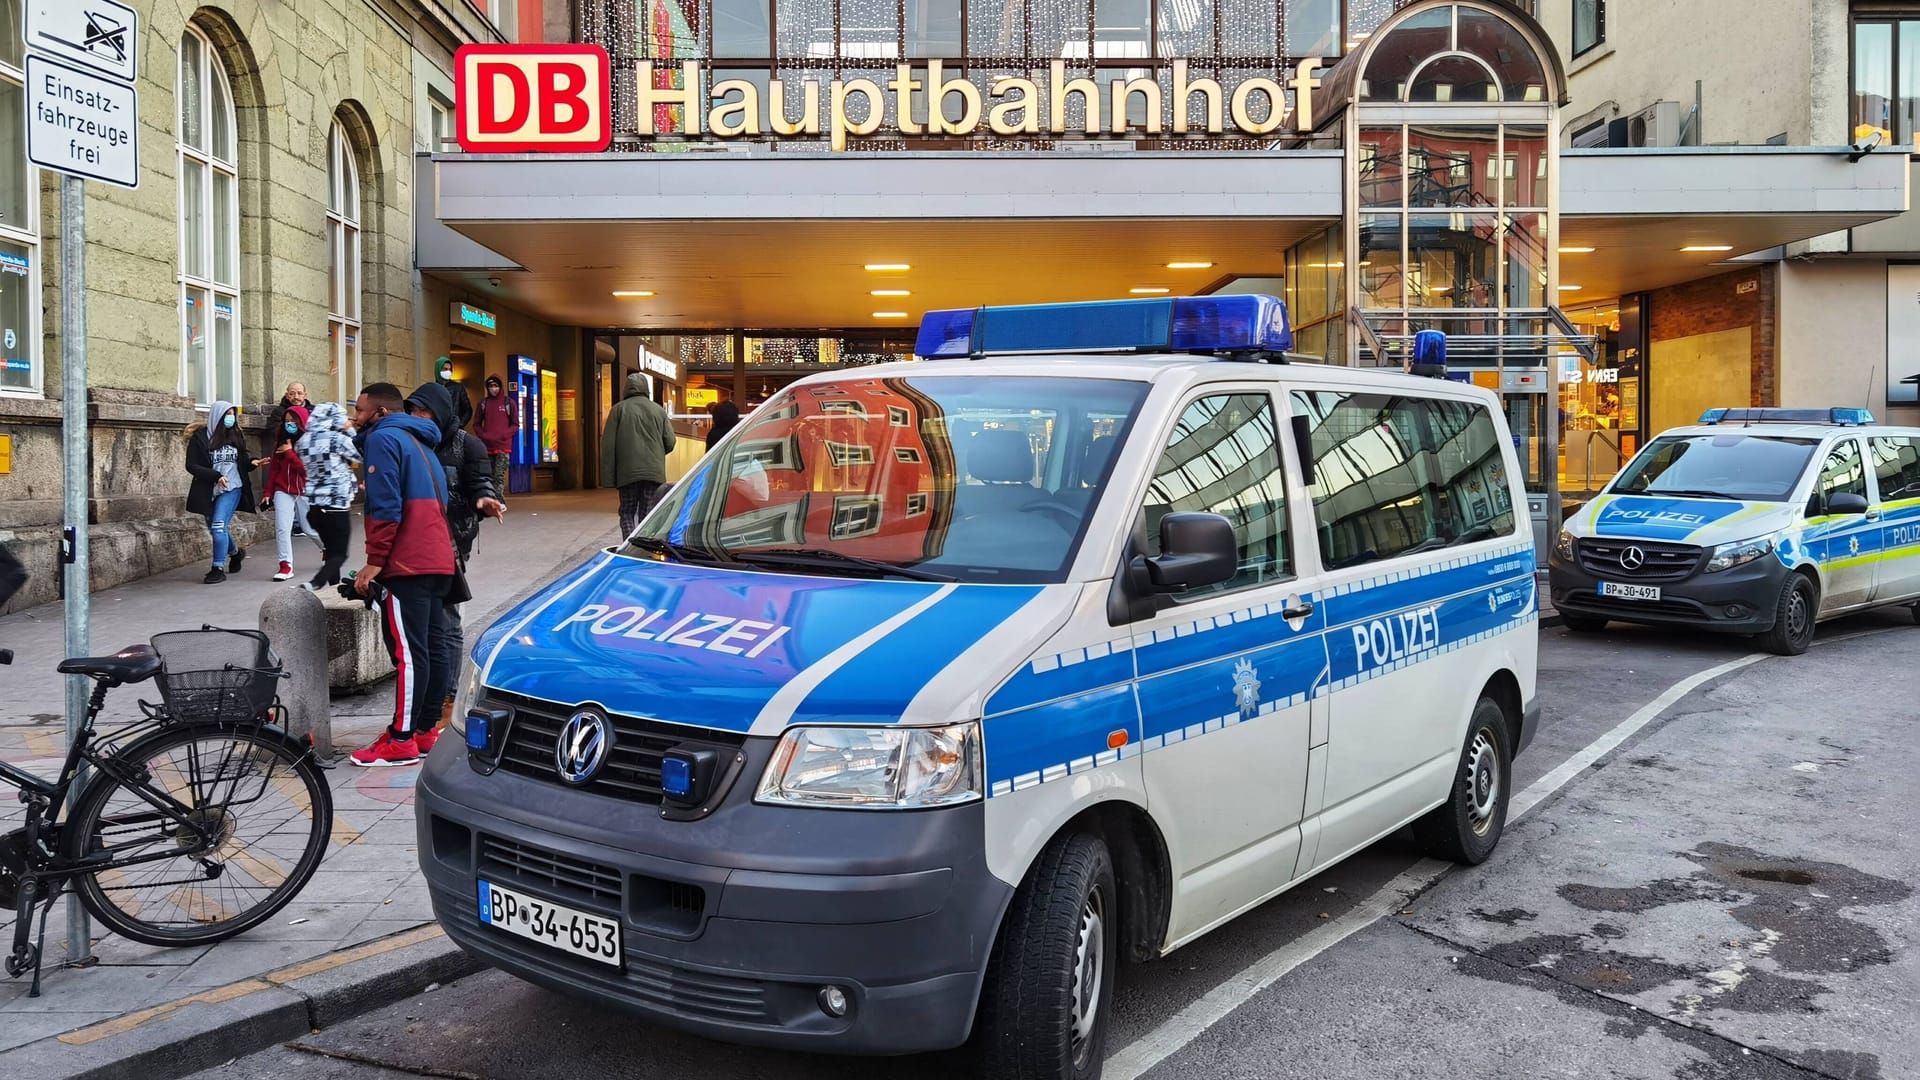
(365, 904)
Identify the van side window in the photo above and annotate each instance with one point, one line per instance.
(1224, 458)
(1843, 471)
(1896, 464)
(1400, 475)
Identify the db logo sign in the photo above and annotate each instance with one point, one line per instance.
(513, 99)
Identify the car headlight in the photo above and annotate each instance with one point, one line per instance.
(885, 768)
(1728, 556)
(1563, 547)
(464, 698)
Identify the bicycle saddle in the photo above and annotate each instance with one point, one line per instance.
(135, 663)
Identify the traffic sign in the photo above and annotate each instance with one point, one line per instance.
(81, 124)
(100, 35)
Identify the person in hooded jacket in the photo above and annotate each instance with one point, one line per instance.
(633, 452)
(726, 417)
(410, 563)
(495, 422)
(329, 455)
(470, 494)
(219, 463)
(286, 488)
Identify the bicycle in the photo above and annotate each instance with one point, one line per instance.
(196, 823)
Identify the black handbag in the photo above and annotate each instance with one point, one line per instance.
(13, 575)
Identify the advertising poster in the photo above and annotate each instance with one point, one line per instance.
(549, 417)
(569, 406)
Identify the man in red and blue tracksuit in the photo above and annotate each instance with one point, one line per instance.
(410, 564)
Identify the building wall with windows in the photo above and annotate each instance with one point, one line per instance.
(270, 241)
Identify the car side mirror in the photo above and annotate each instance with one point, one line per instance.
(1197, 550)
(1846, 503)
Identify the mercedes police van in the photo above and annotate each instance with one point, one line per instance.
(1756, 521)
(938, 689)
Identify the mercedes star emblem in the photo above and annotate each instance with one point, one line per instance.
(1633, 558)
(585, 742)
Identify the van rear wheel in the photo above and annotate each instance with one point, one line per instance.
(1466, 828)
(1048, 995)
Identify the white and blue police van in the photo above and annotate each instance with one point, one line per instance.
(940, 688)
(1754, 521)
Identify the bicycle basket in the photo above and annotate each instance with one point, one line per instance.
(216, 675)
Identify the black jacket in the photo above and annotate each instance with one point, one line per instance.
(461, 401)
(468, 469)
(205, 476)
(726, 416)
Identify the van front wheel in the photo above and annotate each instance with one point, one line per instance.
(1793, 618)
(1049, 988)
(1466, 827)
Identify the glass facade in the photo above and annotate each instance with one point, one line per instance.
(19, 221)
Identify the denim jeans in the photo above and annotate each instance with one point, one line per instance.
(224, 504)
(288, 510)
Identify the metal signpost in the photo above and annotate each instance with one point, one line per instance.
(83, 120)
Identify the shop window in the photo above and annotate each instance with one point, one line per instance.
(1886, 80)
(932, 28)
(1589, 25)
(1399, 476)
(1224, 458)
(741, 28)
(343, 264)
(19, 221)
(209, 224)
(1313, 28)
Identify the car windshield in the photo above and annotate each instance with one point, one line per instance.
(1751, 468)
(937, 477)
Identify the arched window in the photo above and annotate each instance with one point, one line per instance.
(19, 221)
(343, 264)
(209, 225)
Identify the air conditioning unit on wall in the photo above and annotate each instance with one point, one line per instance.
(1656, 125)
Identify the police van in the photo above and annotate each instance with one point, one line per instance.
(1755, 521)
(938, 689)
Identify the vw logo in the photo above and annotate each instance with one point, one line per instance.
(1633, 558)
(585, 742)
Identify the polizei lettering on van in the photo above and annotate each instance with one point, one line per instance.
(694, 630)
(1665, 517)
(1396, 637)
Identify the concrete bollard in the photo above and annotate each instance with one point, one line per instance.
(296, 622)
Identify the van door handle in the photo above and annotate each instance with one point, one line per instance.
(1873, 514)
(1300, 611)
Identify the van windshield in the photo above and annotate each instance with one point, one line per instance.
(1750, 468)
(937, 477)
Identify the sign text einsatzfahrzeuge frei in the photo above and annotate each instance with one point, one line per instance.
(519, 98)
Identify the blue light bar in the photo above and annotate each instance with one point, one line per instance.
(1837, 416)
(1245, 323)
(676, 776)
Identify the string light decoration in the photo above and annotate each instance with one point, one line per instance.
(1227, 40)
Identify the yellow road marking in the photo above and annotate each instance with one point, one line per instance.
(264, 872)
(232, 991)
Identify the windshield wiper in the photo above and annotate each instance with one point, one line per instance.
(686, 553)
(816, 556)
(1688, 493)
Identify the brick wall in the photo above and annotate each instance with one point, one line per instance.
(1718, 303)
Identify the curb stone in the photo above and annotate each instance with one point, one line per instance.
(214, 1026)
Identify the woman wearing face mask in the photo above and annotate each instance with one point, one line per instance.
(286, 489)
(217, 459)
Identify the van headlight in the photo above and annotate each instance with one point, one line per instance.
(1728, 556)
(880, 768)
(464, 698)
(1563, 547)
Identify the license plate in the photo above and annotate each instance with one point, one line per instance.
(553, 925)
(1630, 592)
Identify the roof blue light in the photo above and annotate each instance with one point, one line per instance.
(1246, 323)
(1837, 416)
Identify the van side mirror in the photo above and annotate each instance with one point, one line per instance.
(1197, 550)
(1846, 503)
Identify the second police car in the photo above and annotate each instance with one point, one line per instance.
(1756, 521)
(938, 689)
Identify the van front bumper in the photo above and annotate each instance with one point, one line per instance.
(731, 925)
(1742, 600)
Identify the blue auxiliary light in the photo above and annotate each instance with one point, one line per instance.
(1837, 416)
(478, 729)
(1243, 323)
(676, 776)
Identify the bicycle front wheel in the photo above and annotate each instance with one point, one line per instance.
(247, 820)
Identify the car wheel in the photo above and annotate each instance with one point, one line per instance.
(1049, 987)
(1466, 828)
(1582, 624)
(1793, 617)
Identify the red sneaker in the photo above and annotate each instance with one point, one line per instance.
(285, 572)
(387, 752)
(425, 740)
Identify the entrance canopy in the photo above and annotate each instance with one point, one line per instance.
(772, 241)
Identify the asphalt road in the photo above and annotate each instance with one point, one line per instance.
(1730, 894)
